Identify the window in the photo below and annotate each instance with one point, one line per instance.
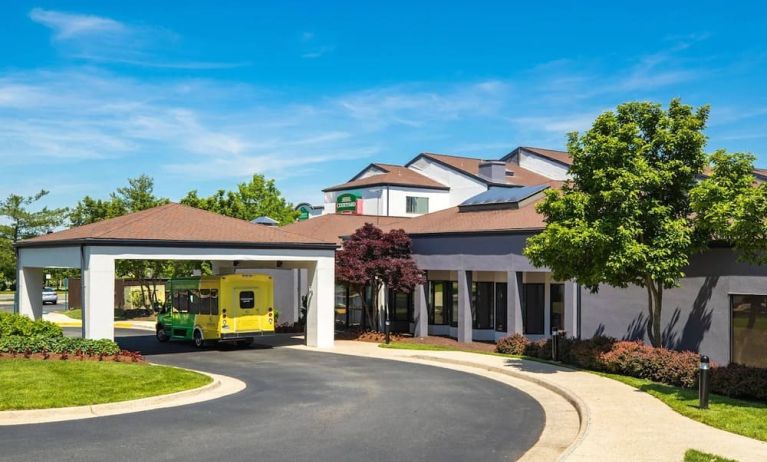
(749, 329)
(532, 308)
(454, 304)
(417, 204)
(341, 305)
(247, 299)
(214, 301)
(400, 306)
(557, 306)
(181, 301)
(438, 303)
(501, 292)
(482, 306)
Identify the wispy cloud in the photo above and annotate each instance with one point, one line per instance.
(106, 40)
(67, 26)
(313, 49)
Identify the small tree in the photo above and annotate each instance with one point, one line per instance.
(372, 259)
(256, 198)
(625, 218)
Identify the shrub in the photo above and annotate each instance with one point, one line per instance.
(15, 344)
(515, 344)
(738, 381)
(539, 349)
(16, 324)
(635, 359)
(586, 353)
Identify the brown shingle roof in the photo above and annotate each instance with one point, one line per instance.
(452, 221)
(331, 227)
(470, 165)
(176, 223)
(395, 175)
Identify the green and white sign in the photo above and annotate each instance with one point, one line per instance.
(303, 212)
(346, 203)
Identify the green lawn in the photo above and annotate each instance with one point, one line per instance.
(747, 418)
(77, 313)
(696, 456)
(32, 384)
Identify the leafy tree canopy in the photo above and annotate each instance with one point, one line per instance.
(625, 218)
(256, 198)
(19, 222)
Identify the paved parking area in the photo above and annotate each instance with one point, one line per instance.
(301, 405)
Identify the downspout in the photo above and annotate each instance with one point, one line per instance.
(83, 312)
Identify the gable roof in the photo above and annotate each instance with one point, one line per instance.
(332, 227)
(470, 166)
(561, 157)
(176, 224)
(393, 175)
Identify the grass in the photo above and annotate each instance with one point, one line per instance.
(77, 313)
(696, 456)
(35, 384)
(747, 418)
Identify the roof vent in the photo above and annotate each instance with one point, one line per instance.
(266, 221)
(493, 170)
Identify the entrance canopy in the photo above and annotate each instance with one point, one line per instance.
(172, 232)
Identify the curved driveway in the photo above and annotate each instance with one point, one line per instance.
(300, 406)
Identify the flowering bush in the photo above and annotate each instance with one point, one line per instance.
(515, 344)
(636, 359)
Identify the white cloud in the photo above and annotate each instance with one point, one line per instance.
(72, 25)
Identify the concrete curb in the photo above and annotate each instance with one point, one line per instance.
(584, 415)
(117, 325)
(220, 386)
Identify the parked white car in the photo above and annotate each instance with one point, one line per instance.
(50, 296)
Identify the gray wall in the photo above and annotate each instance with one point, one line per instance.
(696, 316)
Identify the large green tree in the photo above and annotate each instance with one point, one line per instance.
(731, 206)
(22, 223)
(256, 198)
(625, 217)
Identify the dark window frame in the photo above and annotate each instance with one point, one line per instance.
(411, 204)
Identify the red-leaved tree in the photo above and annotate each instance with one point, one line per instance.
(371, 258)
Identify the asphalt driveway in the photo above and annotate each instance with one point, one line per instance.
(300, 406)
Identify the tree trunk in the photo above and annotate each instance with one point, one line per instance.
(654, 309)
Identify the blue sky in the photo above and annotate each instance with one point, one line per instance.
(202, 94)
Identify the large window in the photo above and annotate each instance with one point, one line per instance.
(437, 305)
(342, 298)
(749, 329)
(533, 308)
(557, 306)
(417, 204)
(482, 306)
(400, 306)
(501, 292)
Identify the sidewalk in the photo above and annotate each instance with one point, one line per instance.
(65, 321)
(620, 423)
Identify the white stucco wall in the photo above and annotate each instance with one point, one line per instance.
(461, 186)
(542, 166)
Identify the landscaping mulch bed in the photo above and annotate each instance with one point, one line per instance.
(368, 336)
(122, 357)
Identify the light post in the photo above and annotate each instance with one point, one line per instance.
(703, 382)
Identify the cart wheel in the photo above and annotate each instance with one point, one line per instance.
(161, 335)
(198, 341)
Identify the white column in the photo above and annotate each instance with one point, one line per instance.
(320, 317)
(420, 312)
(383, 300)
(571, 309)
(547, 305)
(514, 323)
(29, 288)
(465, 324)
(98, 294)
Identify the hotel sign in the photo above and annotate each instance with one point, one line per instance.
(347, 203)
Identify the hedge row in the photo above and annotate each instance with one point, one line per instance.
(16, 324)
(635, 359)
(17, 344)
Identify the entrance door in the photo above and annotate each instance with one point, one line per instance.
(248, 309)
(533, 307)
